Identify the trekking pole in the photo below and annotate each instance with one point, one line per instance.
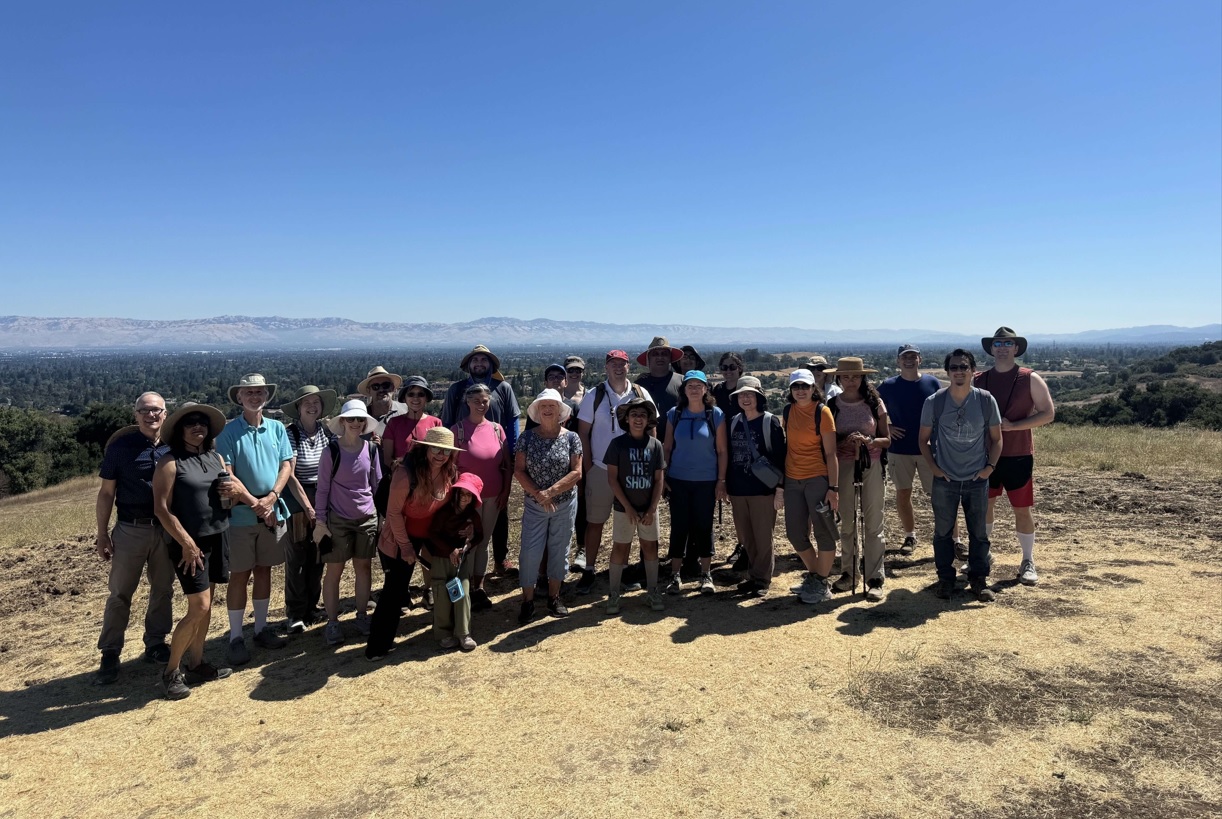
(859, 545)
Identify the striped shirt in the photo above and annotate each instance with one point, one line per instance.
(309, 450)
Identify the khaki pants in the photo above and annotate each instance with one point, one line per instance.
(135, 547)
(873, 493)
(754, 519)
(451, 619)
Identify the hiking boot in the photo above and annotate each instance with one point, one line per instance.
(174, 686)
(362, 624)
(654, 598)
(801, 587)
(108, 671)
(675, 586)
(747, 586)
(527, 612)
(556, 606)
(586, 584)
(206, 672)
(480, 601)
(816, 592)
(760, 591)
(447, 643)
(465, 643)
(961, 551)
(706, 584)
(579, 561)
(613, 604)
(238, 653)
(980, 588)
(158, 654)
(1027, 574)
(333, 634)
(945, 588)
(269, 639)
(843, 583)
(294, 625)
(908, 546)
(874, 591)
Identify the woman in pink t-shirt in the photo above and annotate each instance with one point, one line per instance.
(404, 430)
(484, 454)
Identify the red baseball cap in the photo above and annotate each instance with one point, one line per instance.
(620, 354)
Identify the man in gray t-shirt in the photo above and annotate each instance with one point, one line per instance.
(960, 438)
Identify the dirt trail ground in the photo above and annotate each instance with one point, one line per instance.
(1096, 693)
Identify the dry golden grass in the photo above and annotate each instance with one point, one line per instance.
(1096, 693)
(1166, 453)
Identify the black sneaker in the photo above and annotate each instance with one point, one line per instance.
(945, 588)
(206, 672)
(527, 612)
(174, 686)
(980, 588)
(908, 546)
(108, 671)
(480, 601)
(747, 586)
(961, 551)
(557, 608)
(158, 654)
(738, 559)
(586, 584)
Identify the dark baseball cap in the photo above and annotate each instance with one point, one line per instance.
(909, 348)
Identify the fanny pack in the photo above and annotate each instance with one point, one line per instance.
(762, 468)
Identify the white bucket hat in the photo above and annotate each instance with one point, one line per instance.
(353, 409)
(532, 412)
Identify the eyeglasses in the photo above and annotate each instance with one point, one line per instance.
(151, 412)
(1003, 343)
(954, 368)
(384, 386)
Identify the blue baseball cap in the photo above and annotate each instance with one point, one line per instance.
(695, 375)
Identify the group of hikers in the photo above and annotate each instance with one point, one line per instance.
(208, 501)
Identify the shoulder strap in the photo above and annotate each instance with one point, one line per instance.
(333, 448)
(295, 432)
(766, 428)
(460, 433)
(600, 394)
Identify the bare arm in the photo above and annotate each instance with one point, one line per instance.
(529, 487)
(618, 492)
(723, 460)
(587, 452)
(927, 451)
(1043, 410)
(833, 468)
(994, 443)
(103, 508)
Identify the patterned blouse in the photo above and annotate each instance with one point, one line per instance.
(547, 459)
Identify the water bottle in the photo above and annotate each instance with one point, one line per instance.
(226, 502)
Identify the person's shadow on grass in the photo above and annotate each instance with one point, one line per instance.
(67, 701)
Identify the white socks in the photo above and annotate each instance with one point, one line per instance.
(988, 531)
(235, 624)
(1028, 544)
(617, 575)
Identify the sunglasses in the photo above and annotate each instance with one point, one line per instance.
(417, 395)
(577, 370)
(726, 369)
(382, 386)
(800, 386)
(1006, 343)
(357, 420)
(195, 421)
(953, 368)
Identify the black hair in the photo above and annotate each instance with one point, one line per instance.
(417, 463)
(868, 392)
(178, 443)
(959, 352)
(761, 403)
(650, 423)
(709, 403)
(733, 358)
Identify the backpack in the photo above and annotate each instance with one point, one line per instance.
(672, 418)
(600, 394)
(333, 448)
(460, 433)
(818, 413)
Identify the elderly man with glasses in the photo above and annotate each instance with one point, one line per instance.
(136, 539)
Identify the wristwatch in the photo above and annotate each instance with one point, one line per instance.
(835, 489)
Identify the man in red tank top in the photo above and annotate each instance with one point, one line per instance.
(1025, 403)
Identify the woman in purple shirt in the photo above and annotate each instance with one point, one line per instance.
(348, 475)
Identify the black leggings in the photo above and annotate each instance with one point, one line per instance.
(395, 595)
(691, 518)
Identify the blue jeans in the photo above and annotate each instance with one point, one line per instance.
(947, 495)
(545, 530)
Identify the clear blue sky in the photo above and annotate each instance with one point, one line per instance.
(811, 164)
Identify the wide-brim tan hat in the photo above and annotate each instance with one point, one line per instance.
(328, 398)
(621, 412)
(353, 409)
(441, 438)
(532, 412)
(850, 365)
(216, 419)
(480, 349)
(375, 374)
(1003, 334)
(660, 343)
(251, 380)
(749, 383)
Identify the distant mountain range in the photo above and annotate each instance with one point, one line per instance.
(25, 333)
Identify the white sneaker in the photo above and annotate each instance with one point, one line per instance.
(1027, 574)
(817, 593)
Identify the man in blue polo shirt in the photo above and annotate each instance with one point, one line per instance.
(905, 395)
(136, 540)
(260, 455)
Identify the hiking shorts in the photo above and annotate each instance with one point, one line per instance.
(1013, 473)
(251, 546)
(904, 468)
(598, 496)
(623, 529)
(215, 551)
